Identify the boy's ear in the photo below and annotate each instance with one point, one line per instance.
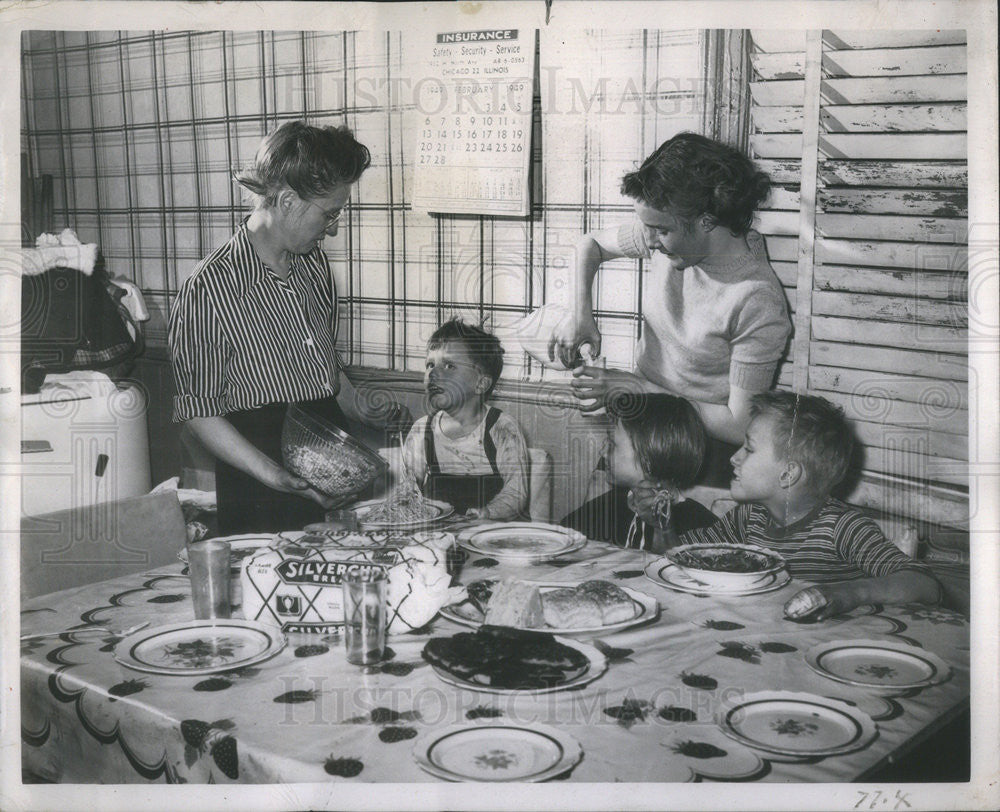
(483, 384)
(791, 474)
(707, 222)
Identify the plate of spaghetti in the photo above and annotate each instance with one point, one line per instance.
(400, 513)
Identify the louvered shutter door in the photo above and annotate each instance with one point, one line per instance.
(865, 134)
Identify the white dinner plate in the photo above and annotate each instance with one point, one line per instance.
(198, 647)
(343, 538)
(597, 665)
(665, 573)
(440, 510)
(521, 541)
(496, 751)
(646, 609)
(240, 546)
(797, 724)
(880, 664)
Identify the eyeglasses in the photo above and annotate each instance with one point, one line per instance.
(331, 219)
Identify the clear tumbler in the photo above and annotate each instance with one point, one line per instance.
(365, 615)
(208, 565)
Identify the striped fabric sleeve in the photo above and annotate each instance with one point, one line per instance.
(512, 460)
(730, 529)
(197, 353)
(859, 540)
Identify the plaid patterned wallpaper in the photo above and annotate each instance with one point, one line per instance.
(140, 131)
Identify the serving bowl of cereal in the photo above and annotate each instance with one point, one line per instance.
(329, 459)
(726, 566)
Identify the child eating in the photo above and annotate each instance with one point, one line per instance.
(797, 448)
(654, 452)
(463, 452)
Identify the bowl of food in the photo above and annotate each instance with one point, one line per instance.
(726, 566)
(329, 459)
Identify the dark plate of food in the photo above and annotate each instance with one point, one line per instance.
(502, 660)
(726, 566)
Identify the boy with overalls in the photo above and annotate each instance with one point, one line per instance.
(466, 453)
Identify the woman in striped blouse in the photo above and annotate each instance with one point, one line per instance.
(253, 327)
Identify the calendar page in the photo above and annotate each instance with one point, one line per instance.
(473, 122)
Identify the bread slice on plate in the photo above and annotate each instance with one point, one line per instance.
(515, 603)
(615, 604)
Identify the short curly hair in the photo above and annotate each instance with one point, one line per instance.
(811, 431)
(690, 175)
(311, 161)
(483, 348)
(666, 433)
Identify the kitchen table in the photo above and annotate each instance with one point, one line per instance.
(305, 715)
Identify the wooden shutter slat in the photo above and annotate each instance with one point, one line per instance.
(938, 394)
(778, 41)
(938, 174)
(894, 227)
(777, 145)
(783, 198)
(891, 90)
(883, 433)
(787, 273)
(778, 222)
(779, 93)
(929, 338)
(779, 65)
(934, 469)
(896, 61)
(785, 119)
(889, 308)
(781, 171)
(880, 117)
(925, 284)
(888, 38)
(915, 202)
(919, 256)
(916, 146)
(915, 500)
(782, 249)
(951, 366)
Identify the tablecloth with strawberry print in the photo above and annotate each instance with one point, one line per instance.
(306, 715)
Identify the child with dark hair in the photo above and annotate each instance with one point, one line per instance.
(463, 452)
(797, 449)
(654, 452)
(715, 320)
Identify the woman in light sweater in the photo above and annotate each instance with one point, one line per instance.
(715, 319)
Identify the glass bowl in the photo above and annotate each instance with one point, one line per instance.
(329, 459)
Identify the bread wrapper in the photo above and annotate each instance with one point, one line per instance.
(419, 585)
(297, 585)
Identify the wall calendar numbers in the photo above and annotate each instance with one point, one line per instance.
(473, 143)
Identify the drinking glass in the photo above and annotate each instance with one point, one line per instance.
(208, 566)
(365, 615)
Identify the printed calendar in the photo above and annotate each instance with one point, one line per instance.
(473, 139)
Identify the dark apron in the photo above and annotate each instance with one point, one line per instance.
(248, 506)
(463, 491)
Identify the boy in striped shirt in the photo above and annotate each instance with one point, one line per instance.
(797, 448)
